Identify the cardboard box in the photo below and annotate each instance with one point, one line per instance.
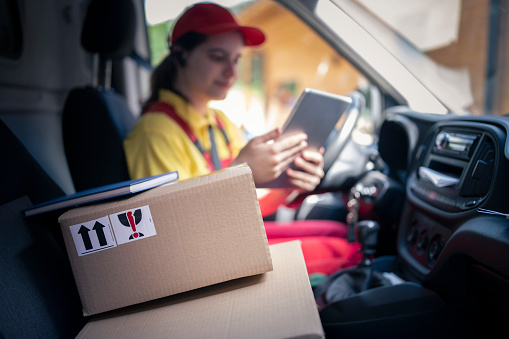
(168, 240)
(278, 304)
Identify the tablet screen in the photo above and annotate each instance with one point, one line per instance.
(315, 113)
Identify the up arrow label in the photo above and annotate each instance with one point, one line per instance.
(86, 238)
(98, 228)
(92, 236)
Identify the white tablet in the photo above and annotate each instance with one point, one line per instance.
(315, 113)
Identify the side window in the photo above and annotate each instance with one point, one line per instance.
(11, 39)
(293, 57)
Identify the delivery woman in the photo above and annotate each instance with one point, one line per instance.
(178, 131)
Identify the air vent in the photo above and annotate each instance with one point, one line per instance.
(478, 181)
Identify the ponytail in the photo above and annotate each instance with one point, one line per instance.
(164, 75)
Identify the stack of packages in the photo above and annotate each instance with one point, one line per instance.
(189, 259)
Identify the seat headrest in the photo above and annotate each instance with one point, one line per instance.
(109, 28)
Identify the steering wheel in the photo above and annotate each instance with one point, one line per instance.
(339, 138)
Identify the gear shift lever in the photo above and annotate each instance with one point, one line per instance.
(351, 281)
(366, 233)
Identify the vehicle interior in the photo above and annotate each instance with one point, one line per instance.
(417, 167)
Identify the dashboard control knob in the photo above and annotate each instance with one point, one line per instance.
(442, 141)
(412, 235)
(422, 243)
(435, 248)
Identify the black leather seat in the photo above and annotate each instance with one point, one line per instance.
(95, 118)
(38, 294)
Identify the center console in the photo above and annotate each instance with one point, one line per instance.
(457, 167)
(451, 178)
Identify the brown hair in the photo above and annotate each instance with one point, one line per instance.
(165, 73)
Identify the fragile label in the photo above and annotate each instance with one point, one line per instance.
(92, 236)
(132, 225)
(115, 229)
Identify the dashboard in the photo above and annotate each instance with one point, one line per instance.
(455, 168)
(456, 172)
(453, 176)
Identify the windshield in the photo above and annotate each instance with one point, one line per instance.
(454, 47)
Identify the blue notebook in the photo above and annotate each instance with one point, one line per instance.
(102, 193)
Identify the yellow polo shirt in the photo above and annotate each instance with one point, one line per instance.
(157, 144)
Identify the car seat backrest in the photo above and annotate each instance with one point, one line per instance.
(38, 294)
(20, 174)
(95, 118)
(94, 125)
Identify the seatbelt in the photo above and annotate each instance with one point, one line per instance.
(213, 150)
(212, 157)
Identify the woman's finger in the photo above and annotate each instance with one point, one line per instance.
(301, 181)
(313, 157)
(288, 142)
(272, 135)
(312, 168)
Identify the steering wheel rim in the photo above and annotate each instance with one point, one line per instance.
(339, 140)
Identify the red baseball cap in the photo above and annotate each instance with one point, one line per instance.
(210, 18)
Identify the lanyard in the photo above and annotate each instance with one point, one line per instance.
(211, 157)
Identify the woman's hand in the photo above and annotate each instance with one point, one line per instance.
(270, 154)
(309, 172)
